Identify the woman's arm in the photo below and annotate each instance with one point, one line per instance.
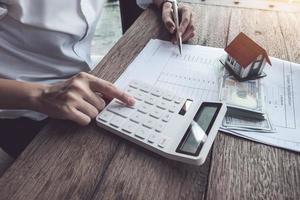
(75, 99)
(19, 95)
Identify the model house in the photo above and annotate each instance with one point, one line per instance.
(246, 59)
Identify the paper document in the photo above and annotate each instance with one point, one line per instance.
(197, 74)
(194, 74)
(282, 100)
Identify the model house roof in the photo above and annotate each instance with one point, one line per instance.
(244, 50)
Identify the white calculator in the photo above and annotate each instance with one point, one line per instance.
(175, 127)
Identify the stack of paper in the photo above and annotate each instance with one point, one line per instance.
(282, 105)
(197, 73)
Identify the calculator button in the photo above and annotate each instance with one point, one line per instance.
(105, 116)
(130, 91)
(156, 113)
(144, 108)
(178, 100)
(166, 117)
(141, 133)
(119, 102)
(151, 100)
(134, 84)
(123, 105)
(115, 105)
(153, 138)
(173, 107)
(145, 88)
(156, 92)
(117, 121)
(149, 122)
(137, 117)
(139, 95)
(137, 104)
(162, 104)
(168, 96)
(119, 109)
(159, 127)
(162, 142)
(129, 127)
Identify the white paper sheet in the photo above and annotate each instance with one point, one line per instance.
(197, 72)
(282, 96)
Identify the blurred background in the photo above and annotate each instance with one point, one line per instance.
(108, 31)
(109, 28)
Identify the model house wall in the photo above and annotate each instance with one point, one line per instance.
(246, 59)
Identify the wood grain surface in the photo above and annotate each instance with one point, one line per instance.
(66, 161)
(153, 176)
(248, 169)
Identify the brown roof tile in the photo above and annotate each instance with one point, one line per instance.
(244, 50)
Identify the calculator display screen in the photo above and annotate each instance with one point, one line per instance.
(205, 117)
(192, 140)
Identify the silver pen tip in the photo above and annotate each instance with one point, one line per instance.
(180, 45)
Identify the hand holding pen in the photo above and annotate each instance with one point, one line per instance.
(186, 26)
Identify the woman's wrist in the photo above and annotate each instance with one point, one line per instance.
(20, 95)
(34, 97)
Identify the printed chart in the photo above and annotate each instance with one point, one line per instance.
(195, 76)
(279, 95)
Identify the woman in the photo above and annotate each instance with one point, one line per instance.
(44, 54)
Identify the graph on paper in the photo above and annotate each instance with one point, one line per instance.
(279, 95)
(195, 76)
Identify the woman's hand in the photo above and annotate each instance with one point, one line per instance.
(79, 98)
(186, 26)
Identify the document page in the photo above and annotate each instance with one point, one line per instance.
(197, 73)
(194, 74)
(282, 99)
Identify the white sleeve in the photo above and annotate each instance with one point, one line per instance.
(144, 3)
(3, 10)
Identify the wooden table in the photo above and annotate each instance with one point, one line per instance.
(66, 161)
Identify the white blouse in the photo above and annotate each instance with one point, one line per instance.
(46, 41)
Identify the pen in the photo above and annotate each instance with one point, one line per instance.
(176, 19)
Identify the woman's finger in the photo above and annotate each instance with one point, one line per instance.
(186, 15)
(79, 117)
(86, 108)
(189, 36)
(93, 99)
(167, 17)
(110, 91)
(174, 39)
(189, 33)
